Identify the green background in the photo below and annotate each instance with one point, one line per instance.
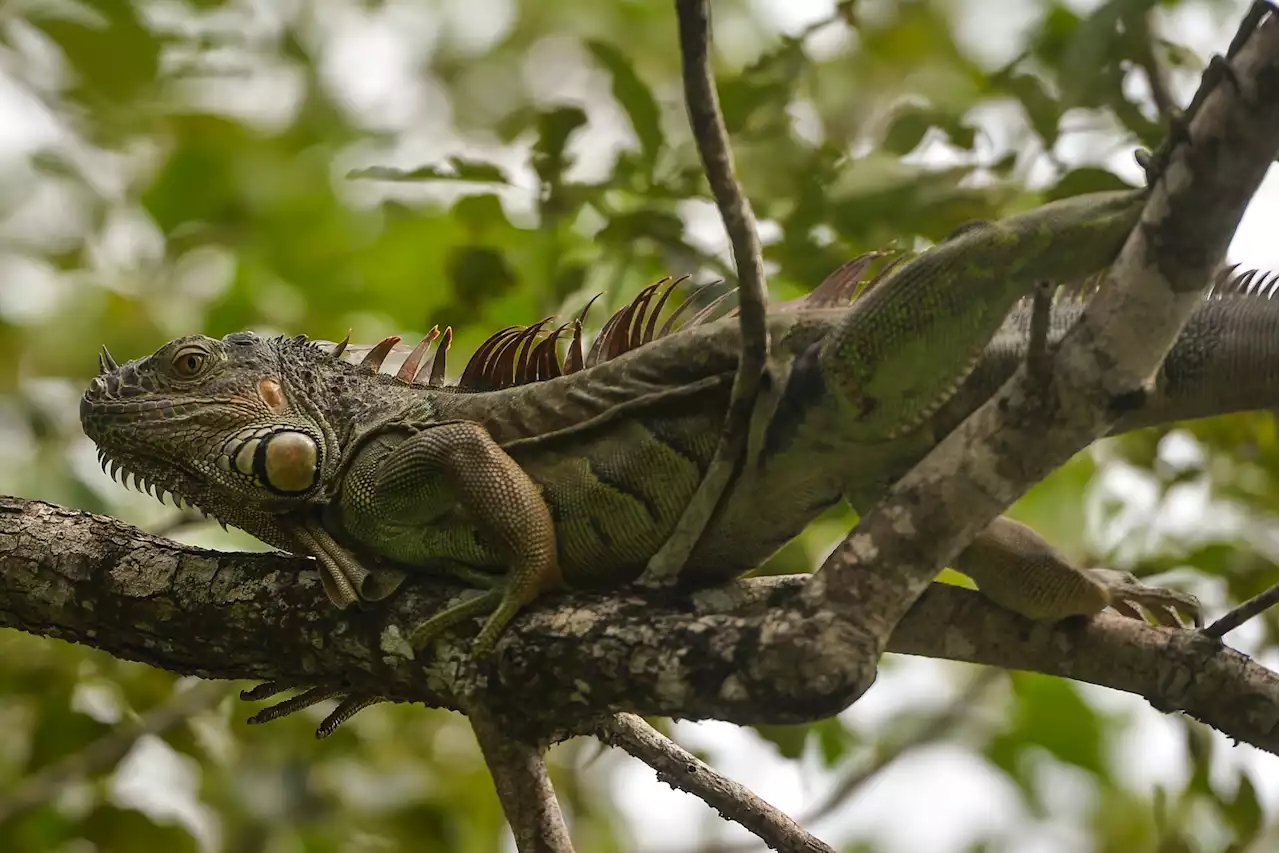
(174, 167)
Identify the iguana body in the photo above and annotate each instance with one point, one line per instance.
(580, 479)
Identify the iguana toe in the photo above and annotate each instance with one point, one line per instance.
(1131, 597)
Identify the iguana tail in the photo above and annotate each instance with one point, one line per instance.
(1225, 359)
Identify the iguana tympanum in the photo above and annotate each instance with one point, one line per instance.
(535, 471)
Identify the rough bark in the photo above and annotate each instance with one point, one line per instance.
(94, 580)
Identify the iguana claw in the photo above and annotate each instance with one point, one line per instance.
(1165, 606)
(349, 704)
(1219, 69)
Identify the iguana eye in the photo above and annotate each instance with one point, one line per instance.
(188, 363)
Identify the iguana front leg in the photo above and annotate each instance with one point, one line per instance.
(1017, 569)
(401, 497)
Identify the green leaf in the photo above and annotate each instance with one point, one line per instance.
(907, 129)
(912, 123)
(1042, 109)
(1244, 811)
(554, 129)
(789, 740)
(472, 171)
(659, 225)
(1087, 179)
(479, 274)
(1049, 713)
(635, 98)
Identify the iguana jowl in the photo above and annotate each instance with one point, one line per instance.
(523, 478)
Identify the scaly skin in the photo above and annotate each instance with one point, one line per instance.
(580, 479)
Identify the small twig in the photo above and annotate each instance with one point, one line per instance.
(931, 730)
(1038, 346)
(713, 146)
(682, 770)
(1140, 27)
(520, 778)
(106, 751)
(1244, 612)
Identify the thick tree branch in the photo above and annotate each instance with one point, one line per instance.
(94, 580)
(520, 778)
(712, 139)
(683, 770)
(1027, 430)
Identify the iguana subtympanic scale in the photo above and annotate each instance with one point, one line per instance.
(579, 478)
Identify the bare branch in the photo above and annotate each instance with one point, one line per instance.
(683, 770)
(938, 726)
(106, 752)
(738, 652)
(1138, 22)
(739, 221)
(932, 730)
(1246, 611)
(520, 777)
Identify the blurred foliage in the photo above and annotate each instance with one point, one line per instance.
(169, 167)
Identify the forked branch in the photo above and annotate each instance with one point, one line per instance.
(520, 778)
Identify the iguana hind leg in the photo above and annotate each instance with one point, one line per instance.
(1017, 569)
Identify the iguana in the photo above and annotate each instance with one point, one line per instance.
(535, 470)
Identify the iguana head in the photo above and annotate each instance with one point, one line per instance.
(233, 425)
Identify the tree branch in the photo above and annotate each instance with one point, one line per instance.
(94, 580)
(520, 778)
(1246, 611)
(684, 771)
(717, 160)
(1100, 368)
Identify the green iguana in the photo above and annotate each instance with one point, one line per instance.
(536, 470)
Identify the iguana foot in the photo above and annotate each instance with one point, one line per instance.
(490, 601)
(349, 704)
(1166, 606)
(1218, 70)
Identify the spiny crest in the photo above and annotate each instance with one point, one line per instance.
(1228, 283)
(1259, 284)
(130, 480)
(519, 355)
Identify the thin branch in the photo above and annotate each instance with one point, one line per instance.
(709, 132)
(682, 770)
(1244, 612)
(520, 778)
(937, 726)
(106, 751)
(1139, 25)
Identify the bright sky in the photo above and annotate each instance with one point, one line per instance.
(375, 60)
